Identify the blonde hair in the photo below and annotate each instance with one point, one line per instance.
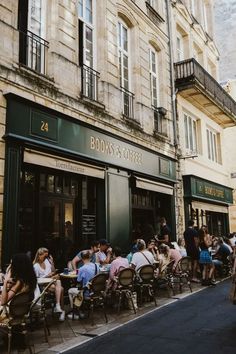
(39, 252)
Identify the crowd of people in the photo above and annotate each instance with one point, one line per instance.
(208, 254)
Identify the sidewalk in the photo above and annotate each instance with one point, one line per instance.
(65, 335)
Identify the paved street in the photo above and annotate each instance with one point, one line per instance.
(202, 323)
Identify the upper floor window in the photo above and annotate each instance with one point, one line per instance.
(204, 16)
(213, 146)
(86, 33)
(153, 71)
(179, 47)
(32, 27)
(123, 55)
(190, 127)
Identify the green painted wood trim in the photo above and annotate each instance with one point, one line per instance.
(11, 202)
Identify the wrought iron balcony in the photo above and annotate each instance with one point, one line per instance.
(33, 51)
(90, 83)
(128, 103)
(192, 77)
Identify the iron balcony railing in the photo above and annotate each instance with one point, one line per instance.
(128, 103)
(189, 73)
(90, 83)
(33, 51)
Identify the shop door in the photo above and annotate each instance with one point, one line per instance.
(57, 228)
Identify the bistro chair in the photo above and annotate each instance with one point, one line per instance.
(125, 286)
(146, 282)
(37, 313)
(183, 272)
(167, 278)
(97, 292)
(16, 317)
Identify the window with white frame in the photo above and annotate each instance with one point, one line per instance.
(213, 145)
(86, 33)
(153, 72)
(179, 47)
(204, 15)
(190, 129)
(123, 55)
(32, 27)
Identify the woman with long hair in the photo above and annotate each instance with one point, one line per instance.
(20, 277)
(205, 241)
(44, 268)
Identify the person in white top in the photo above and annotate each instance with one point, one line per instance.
(44, 268)
(142, 257)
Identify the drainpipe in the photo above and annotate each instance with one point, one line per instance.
(174, 107)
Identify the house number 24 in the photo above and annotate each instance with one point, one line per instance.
(44, 126)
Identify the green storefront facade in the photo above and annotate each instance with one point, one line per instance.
(207, 203)
(67, 183)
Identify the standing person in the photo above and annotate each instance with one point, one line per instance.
(44, 268)
(20, 277)
(192, 248)
(164, 236)
(205, 241)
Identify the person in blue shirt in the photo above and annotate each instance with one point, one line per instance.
(77, 260)
(85, 274)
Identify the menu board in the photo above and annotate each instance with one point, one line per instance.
(89, 224)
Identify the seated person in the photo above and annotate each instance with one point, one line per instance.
(151, 247)
(77, 260)
(20, 277)
(133, 250)
(44, 268)
(182, 248)
(175, 255)
(86, 273)
(223, 251)
(164, 258)
(142, 257)
(104, 254)
(116, 265)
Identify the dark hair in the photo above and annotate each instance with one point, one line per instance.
(85, 254)
(190, 223)
(117, 251)
(103, 242)
(95, 243)
(22, 269)
(201, 233)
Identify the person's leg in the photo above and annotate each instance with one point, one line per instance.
(72, 292)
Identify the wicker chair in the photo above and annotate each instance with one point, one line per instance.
(16, 317)
(125, 286)
(183, 272)
(146, 282)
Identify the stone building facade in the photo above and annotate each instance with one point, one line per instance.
(88, 146)
(205, 111)
(225, 27)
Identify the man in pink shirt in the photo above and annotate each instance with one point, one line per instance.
(116, 265)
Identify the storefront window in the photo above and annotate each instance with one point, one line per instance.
(50, 183)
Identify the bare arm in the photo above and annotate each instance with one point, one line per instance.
(9, 293)
(74, 262)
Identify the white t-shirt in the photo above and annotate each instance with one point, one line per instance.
(140, 259)
(40, 272)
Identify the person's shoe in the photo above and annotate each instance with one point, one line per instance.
(71, 317)
(57, 308)
(62, 316)
(82, 315)
(212, 282)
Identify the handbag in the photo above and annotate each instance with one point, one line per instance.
(78, 299)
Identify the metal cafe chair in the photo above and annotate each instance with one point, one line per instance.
(146, 282)
(97, 291)
(37, 313)
(183, 272)
(16, 318)
(125, 286)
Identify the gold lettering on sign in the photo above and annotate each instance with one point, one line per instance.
(115, 150)
(44, 126)
(214, 192)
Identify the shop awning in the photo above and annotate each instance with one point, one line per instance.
(154, 186)
(210, 207)
(41, 159)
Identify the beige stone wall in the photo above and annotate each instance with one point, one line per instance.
(60, 88)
